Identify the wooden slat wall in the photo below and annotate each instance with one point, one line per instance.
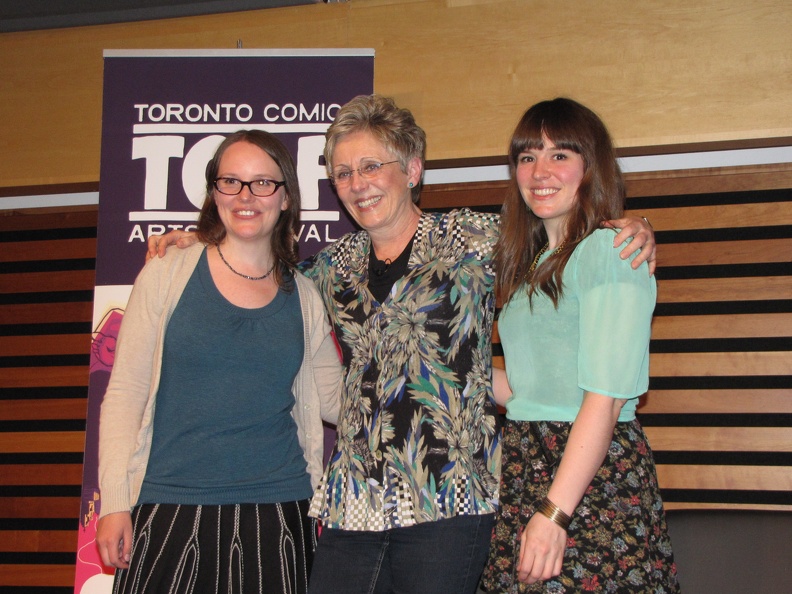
(47, 266)
(718, 414)
(719, 410)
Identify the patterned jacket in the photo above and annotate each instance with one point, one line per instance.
(418, 439)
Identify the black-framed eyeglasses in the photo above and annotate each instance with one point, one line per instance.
(230, 186)
(368, 170)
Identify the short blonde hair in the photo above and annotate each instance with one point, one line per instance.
(393, 126)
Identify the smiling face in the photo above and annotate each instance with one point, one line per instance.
(382, 203)
(548, 179)
(246, 216)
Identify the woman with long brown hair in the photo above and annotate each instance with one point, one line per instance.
(580, 508)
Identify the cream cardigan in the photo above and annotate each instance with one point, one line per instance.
(127, 413)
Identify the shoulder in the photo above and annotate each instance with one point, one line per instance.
(460, 225)
(175, 261)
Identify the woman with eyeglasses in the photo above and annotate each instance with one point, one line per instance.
(580, 505)
(211, 428)
(408, 498)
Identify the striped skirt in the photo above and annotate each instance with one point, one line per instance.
(206, 549)
(617, 541)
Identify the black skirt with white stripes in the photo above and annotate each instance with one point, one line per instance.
(207, 549)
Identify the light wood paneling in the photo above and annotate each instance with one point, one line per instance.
(698, 364)
(701, 402)
(51, 541)
(716, 439)
(722, 326)
(724, 289)
(32, 575)
(44, 408)
(61, 344)
(52, 441)
(699, 476)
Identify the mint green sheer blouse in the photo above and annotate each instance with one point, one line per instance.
(596, 341)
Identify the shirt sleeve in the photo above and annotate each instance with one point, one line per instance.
(616, 305)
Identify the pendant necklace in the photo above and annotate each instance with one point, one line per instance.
(253, 278)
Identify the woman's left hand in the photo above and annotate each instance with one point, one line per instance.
(542, 546)
(643, 239)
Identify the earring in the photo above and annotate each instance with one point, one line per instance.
(410, 185)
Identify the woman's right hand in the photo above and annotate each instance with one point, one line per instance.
(542, 546)
(114, 539)
(157, 244)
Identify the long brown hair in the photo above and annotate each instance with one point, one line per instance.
(283, 242)
(601, 195)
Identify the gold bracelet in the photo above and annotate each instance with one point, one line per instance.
(554, 513)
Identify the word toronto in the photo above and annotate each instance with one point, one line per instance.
(234, 112)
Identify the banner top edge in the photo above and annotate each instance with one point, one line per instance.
(235, 53)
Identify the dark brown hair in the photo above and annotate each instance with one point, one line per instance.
(283, 242)
(601, 195)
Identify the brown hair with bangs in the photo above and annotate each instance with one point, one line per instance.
(283, 242)
(600, 196)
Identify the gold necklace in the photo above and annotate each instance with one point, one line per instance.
(542, 251)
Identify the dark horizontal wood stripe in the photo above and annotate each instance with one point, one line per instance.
(727, 496)
(45, 360)
(39, 523)
(729, 271)
(49, 297)
(681, 201)
(36, 394)
(717, 420)
(39, 507)
(38, 590)
(43, 458)
(38, 558)
(44, 408)
(722, 326)
(49, 224)
(698, 238)
(45, 329)
(724, 307)
(47, 313)
(26, 240)
(721, 345)
(724, 458)
(704, 401)
(708, 382)
(43, 425)
(28, 266)
(51, 249)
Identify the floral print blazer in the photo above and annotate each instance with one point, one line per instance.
(418, 438)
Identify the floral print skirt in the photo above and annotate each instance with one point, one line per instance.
(617, 541)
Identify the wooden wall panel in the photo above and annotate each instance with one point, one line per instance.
(46, 291)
